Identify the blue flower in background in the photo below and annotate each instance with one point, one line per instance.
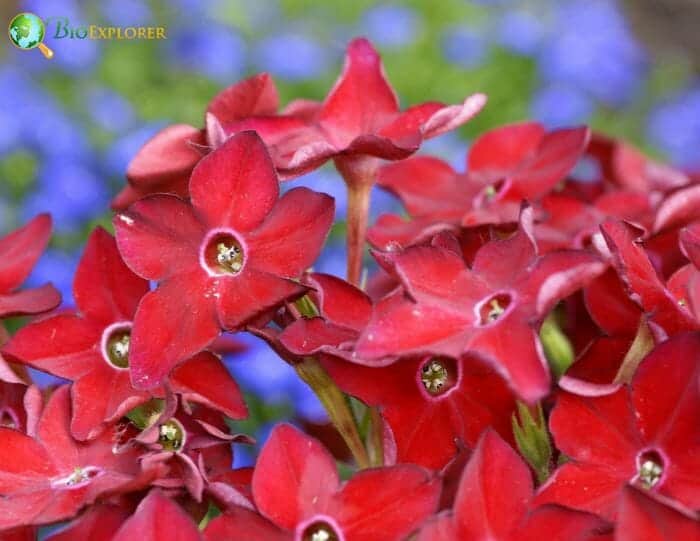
(291, 56)
(465, 47)
(557, 106)
(126, 12)
(215, 51)
(57, 267)
(325, 180)
(520, 32)
(390, 25)
(674, 127)
(332, 260)
(593, 49)
(449, 147)
(109, 110)
(70, 191)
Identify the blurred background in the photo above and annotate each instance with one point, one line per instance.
(69, 126)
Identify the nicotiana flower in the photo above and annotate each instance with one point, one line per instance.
(299, 495)
(229, 257)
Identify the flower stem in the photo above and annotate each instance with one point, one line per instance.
(359, 173)
(336, 404)
(376, 437)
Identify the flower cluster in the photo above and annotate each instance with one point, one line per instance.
(521, 363)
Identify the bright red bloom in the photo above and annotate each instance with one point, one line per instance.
(51, 477)
(19, 252)
(20, 406)
(164, 164)
(158, 518)
(645, 434)
(226, 259)
(645, 517)
(92, 347)
(297, 489)
(494, 501)
(492, 309)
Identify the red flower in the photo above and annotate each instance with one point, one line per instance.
(158, 518)
(222, 261)
(50, 478)
(19, 252)
(98, 523)
(494, 501)
(644, 516)
(646, 435)
(92, 347)
(297, 489)
(491, 310)
(164, 164)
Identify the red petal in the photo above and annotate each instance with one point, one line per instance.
(293, 477)
(158, 518)
(494, 492)
(556, 523)
(610, 307)
(390, 229)
(236, 185)
(20, 250)
(292, 235)
(440, 528)
(254, 96)
(361, 102)
(450, 117)
(252, 293)
(393, 500)
(498, 151)
(340, 302)
(243, 525)
(645, 518)
(97, 524)
(205, 380)
(159, 236)
(29, 301)
(690, 241)
(408, 124)
(678, 209)
(166, 157)
(171, 324)
(310, 336)
(64, 345)
(105, 289)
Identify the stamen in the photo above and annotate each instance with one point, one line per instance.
(438, 375)
(171, 435)
(492, 308)
(319, 531)
(116, 340)
(650, 469)
(223, 254)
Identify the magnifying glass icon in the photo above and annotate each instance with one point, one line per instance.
(27, 31)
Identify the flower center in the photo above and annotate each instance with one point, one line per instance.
(493, 308)
(8, 418)
(319, 531)
(115, 345)
(171, 435)
(79, 477)
(650, 468)
(224, 254)
(438, 375)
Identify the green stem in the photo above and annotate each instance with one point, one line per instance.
(376, 437)
(642, 344)
(336, 405)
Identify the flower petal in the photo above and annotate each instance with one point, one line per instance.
(29, 301)
(105, 289)
(20, 250)
(292, 235)
(243, 525)
(254, 96)
(236, 185)
(159, 236)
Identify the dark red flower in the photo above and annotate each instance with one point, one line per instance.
(164, 164)
(492, 309)
(494, 501)
(644, 516)
(222, 261)
(98, 523)
(645, 434)
(297, 489)
(51, 477)
(19, 252)
(92, 347)
(158, 518)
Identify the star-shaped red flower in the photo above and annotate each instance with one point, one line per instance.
(222, 261)
(299, 494)
(92, 347)
(492, 309)
(645, 434)
(50, 477)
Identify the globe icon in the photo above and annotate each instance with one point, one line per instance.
(26, 30)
